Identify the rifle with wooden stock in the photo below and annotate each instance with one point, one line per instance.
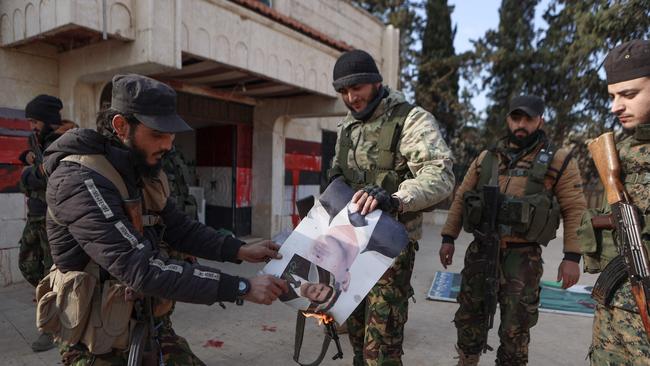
(633, 255)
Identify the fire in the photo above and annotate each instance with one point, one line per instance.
(322, 318)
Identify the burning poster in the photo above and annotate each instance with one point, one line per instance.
(335, 255)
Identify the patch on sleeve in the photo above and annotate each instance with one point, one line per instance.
(127, 235)
(206, 274)
(166, 267)
(99, 199)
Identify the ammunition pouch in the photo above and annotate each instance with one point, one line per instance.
(596, 244)
(613, 276)
(472, 210)
(74, 307)
(534, 218)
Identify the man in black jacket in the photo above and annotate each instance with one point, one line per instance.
(88, 219)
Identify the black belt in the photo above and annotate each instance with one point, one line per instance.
(516, 244)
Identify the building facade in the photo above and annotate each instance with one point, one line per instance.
(253, 79)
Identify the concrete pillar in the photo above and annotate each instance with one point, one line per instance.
(269, 124)
(390, 56)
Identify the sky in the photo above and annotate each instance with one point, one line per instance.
(472, 18)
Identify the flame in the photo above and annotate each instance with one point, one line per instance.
(322, 318)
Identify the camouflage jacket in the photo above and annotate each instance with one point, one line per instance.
(421, 149)
(634, 154)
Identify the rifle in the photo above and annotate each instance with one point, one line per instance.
(626, 220)
(489, 239)
(32, 140)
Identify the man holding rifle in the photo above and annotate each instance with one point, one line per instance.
(532, 184)
(619, 334)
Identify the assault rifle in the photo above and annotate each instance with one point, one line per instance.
(627, 223)
(488, 237)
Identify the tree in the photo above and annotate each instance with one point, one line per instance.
(505, 55)
(568, 67)
(437, 83)
(402, 14)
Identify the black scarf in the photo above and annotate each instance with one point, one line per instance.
(365, 114)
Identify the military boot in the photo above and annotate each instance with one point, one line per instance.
(466, 360)
(43, 343)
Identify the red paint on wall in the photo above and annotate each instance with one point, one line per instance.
(10, 178)
(11, 148)
(292, 146)
(14, 124)
(244, 186)
(302, 162)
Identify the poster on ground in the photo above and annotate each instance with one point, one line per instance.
(576, 300)
(335, 256)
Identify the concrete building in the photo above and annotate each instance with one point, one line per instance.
(253, 78)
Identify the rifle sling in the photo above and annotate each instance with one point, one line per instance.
(300, 332)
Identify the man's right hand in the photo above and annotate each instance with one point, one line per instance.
(446, 254)
(265, 289)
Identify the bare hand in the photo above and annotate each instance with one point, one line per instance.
(569, 273)
(265, 289)
(259, 252)
(446, 254)
(30, 157)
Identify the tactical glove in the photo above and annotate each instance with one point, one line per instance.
(386, 202)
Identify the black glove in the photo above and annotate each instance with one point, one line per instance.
(386, 202)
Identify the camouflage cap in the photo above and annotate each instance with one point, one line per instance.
(630, 60)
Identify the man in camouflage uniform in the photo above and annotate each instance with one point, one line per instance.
(392, 152)
(528, 165)
(619, 337)
(35, 259)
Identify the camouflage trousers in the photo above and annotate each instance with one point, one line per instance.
(35, 258)
(376, 327)
(520, 272)
(174, 348)
(618, 338)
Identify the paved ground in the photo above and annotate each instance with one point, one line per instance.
(263, 335)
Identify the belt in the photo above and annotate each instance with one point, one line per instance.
(516, 244)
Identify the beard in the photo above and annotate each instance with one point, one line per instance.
(140, 160)
(526, 140)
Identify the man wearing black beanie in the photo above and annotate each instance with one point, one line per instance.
(35, 259)
(393, 154)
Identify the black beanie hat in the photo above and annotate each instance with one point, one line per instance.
(45, 108)
(628, 61)
(355, 67)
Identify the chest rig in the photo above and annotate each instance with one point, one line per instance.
(90, 306)
(382, 172)
(534, 217)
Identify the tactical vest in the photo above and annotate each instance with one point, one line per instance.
(384, 173)
(76, 306)
(534, 217)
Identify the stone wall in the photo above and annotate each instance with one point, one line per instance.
(12, 222)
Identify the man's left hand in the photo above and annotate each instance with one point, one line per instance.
(371, 197)
(259, 252)
(569, 273)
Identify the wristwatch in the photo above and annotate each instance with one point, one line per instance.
(242, 290)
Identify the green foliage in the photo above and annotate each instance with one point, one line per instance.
(437, 86)
(402, 14)
(506, 55)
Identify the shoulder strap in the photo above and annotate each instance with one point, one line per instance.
(300, 331)
(565, 163)
(100, 165)
(389, 135)
(489, 163)
(537, 172)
